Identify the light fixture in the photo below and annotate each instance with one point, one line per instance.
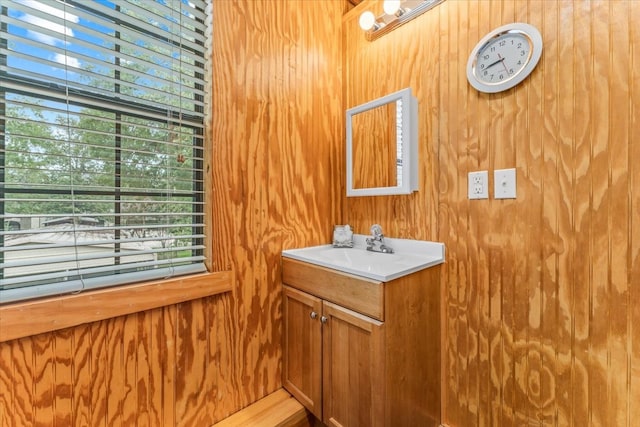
(392, 7)
(396, 13)
(368, 21)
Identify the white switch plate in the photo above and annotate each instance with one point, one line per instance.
(478, 185)
(504, 182)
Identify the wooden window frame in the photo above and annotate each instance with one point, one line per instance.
(23, 319)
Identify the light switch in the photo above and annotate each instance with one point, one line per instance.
(504, 183)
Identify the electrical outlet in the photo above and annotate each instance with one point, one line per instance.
(478, 185)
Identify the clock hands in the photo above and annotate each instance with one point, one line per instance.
(496, 62)
(505, 67)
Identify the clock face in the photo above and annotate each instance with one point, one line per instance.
(504, 57)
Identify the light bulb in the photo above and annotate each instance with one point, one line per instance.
(367, 20)
(391, 7)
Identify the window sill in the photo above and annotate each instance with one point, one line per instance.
(38, 316)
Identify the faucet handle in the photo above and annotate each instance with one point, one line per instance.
(376, 230)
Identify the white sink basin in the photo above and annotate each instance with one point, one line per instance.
(409, 256)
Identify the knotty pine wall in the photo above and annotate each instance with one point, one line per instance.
(541, 294)
(278, 120)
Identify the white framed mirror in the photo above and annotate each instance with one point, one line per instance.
(382, 147)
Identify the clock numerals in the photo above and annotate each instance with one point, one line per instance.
(500, 76)
(505, 54)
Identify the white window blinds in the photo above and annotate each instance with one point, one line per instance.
(102, 106)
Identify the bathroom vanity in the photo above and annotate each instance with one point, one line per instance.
(358, 350)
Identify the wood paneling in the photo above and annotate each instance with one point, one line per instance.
(278, 123)
(541, 293)
(119, 371)
(276, 171)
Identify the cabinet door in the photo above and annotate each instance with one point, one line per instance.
(353, 368)
(302, 353)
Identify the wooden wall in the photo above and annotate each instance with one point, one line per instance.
(277, 124)
(542, 293)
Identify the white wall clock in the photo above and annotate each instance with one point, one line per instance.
(504, 57)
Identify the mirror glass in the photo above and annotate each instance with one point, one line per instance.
(381, 146)
(368, 129)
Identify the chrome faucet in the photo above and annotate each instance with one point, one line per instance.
(375, 243)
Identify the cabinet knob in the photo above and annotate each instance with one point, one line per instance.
(314, 315)
(323, 319)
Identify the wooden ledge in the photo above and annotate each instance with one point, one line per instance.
(278, 409)
(28, 318)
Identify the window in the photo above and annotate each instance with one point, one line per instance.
(102, 112)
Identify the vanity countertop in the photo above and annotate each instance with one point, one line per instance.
(409, 256)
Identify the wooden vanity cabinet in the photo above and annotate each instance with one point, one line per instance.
(352, 353)
(302, 352)
(358, 352)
